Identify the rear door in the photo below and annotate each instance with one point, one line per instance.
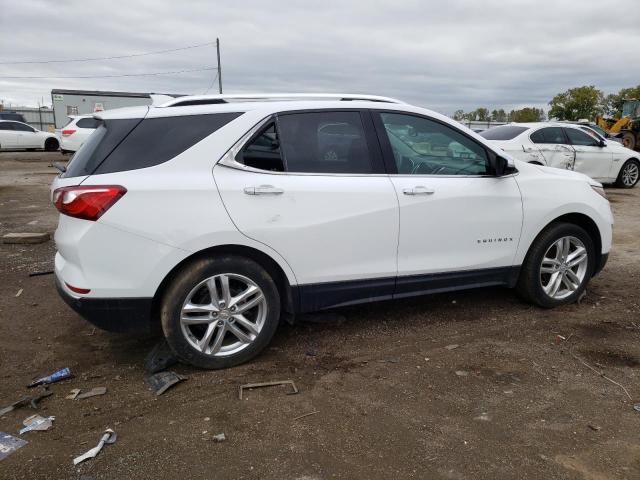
(8, 136)
(591, 158)
(311, 185)
(554, 147)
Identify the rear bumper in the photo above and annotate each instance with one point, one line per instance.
(112, 314)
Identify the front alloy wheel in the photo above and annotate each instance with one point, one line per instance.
(223, 314)
(629, 174)
(563, 267)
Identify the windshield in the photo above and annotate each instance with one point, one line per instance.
(505, 132)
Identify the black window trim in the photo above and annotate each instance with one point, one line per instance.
(377, 164)
(387, 152)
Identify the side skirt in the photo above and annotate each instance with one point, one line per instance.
(320, 296)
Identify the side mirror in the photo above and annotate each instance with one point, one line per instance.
(500, 165)
(602, 143)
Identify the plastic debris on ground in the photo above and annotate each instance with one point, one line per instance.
(54, 377)
(25, 401)
(91, 393)
(219, 437)
(9, 444)
(249, 386)
(160, 382)
(159, 358)
(108, 437)
(37, 422)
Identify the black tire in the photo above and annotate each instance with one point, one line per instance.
(184, 283)
(529, 285)
(51, 145)
(623, 180)
(629, 140)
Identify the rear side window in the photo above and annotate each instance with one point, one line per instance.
(578, 137)
(507, 132)
(6, 126)
(548, 135)
(88, 123)
(130, 144)
(21, 127)
(263, 151)
(324, 142)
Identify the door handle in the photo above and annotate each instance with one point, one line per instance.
(419, 190)
(263, 190)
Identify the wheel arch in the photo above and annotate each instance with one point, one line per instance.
(585, 222)
(288, 294)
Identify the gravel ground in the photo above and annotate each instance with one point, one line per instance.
(468, 385)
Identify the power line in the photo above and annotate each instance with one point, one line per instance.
(211, 84)
(110, 76)
(109, 58)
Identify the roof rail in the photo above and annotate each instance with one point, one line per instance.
(282, 97)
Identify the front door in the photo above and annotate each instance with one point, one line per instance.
(459, 225)
(554, 147)
(311, 186)
(591, 158)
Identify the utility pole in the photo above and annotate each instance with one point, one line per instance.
(219, 68)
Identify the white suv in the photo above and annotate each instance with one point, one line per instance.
(212, 218)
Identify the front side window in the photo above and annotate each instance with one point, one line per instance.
(324, 142)
(578, 137)
(422, 146)
(6, 126)
(548, 135)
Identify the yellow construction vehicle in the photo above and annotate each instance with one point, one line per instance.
(627, 126)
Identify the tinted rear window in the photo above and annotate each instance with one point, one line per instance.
(506, 132)
(119, 145)
(88, 123)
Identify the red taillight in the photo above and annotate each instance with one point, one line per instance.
(66, 133)
(87, 202)
(82, 291)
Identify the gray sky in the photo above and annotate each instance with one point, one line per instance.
(444, 54)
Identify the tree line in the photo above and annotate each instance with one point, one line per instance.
(575, 104)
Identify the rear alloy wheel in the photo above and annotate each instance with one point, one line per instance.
(558, 266)
(629, 174)
(220, 312)
(51, 145)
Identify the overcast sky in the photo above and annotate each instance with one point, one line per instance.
(442, 54)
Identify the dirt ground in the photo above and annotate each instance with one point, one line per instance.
(512, 400)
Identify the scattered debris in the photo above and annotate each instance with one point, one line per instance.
(483, 417)
(390, 360)
(160, 358)
(452, 347)
(268, 384)
(54, 377)
(26, 401)
(92, 393)
(601, 374)
(25, 238)
(306, 415)
(73, 394)
(461, 373)
(9, 444)
(636, 407)
(36, 422)
(219, 437)
(107, 438)
(161, 381)
(508, 392)
(595, 428)
(38, 274)
(19, 293)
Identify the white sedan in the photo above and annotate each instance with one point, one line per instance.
(76, 132)
(568, 146)
(18, 135)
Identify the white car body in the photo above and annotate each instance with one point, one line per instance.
(336, 238)
(602, 160)
(76, 132)
(17, 135)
